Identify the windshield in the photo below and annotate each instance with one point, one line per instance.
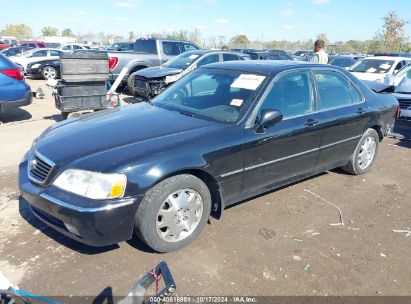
(214, 94)
(182, 61)
(405, 71)
(374, 66)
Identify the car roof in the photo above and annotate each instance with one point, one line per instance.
(394, 58)
(204, 52)
(270, 67)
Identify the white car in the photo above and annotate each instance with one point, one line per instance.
(72, 47)
(378, 68)
(395, 79)
(35, 55)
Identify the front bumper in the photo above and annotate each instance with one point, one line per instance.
(7, 105)
(35, 73)
(95, 223)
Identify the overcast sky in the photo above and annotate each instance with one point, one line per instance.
(270, 19)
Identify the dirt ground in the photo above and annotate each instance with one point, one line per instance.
(280, 243)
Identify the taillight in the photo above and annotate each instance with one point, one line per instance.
(112, 62)
(13, 73)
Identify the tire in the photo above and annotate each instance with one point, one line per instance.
(157, 210)
(48, 72)
(64, 115)
(130, 84)
(365, 154)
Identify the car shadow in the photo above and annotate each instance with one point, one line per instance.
(27, 215)
(14, 115)
(131, 100)
(55, 117)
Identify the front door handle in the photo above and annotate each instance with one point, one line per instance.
(312, 122)
(361, 111)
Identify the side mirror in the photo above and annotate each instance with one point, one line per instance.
(268, 117)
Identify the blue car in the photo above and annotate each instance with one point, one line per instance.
(14, 91)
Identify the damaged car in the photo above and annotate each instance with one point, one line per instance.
(224, 133)
(150, 82)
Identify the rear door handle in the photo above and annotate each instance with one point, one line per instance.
(361, 111)
(312, 122)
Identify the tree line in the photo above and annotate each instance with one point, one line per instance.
(390, 38)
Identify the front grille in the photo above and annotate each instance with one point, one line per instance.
(39, 168)
(47, 217)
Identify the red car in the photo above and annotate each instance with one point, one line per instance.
(33, 44)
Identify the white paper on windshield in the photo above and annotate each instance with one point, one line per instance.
(385, 66)
(193, 56)
(371, 70)
(236, 102)
(248, 81)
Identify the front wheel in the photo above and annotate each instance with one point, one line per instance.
(173, 213)
(49, 72)
(365, 154)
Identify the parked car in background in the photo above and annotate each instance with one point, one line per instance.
(395, 79)
(72, 47)
(342, 61)
(33, 44)
(14, 91)
(378, 68)
(276, 55)
(256, 55)
(54, 45)
(150, 82)
(146, 53)
(46, 69)
(7, 42)
(224, 133)
(121, 46)
(35, 55)
(14, 51)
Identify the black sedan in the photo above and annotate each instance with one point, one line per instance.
(149, 82)
(46, 69)
(276, 55)
(224, 133)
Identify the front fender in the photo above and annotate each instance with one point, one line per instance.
(143, 177)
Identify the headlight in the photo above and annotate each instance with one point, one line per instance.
(35, 66)
(93, 185)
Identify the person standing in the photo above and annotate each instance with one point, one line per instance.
(320, 56)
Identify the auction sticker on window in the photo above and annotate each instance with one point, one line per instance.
(236, 102)
(248, 81)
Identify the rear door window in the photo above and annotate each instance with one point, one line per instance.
(56, 53)
(209, 59)
(171, 48)
(39, 54)
(146, 46)
(334, 90)
(230, 57)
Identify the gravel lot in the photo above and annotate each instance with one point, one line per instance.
(260, 247)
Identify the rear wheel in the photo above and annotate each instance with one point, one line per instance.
(365, 154)
(173, 213)
(49, 72)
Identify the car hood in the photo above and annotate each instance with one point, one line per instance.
(141, 126)
(370, 76)
(157, 72)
